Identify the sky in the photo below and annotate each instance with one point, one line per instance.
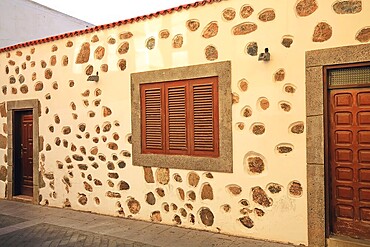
(100, 12)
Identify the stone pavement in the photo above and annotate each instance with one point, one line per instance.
(23, 224)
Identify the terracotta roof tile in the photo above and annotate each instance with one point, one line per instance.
(107, 26)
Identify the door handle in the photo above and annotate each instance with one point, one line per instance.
(21, 150)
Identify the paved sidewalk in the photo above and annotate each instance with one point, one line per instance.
(23, 224)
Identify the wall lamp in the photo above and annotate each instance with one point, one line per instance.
(265, 56)
(93, 77)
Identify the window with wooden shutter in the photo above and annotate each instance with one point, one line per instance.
(180, 117)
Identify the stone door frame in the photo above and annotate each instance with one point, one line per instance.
(20, 105)
(316, 140)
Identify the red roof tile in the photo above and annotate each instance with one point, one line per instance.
(107, 26)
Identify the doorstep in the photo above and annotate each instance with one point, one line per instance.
(339, 241)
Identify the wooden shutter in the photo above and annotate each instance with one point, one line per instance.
(176, 118)
(152, 124)
(204, 110)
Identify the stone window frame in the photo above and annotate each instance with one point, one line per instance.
(316, 139)
(224, 163)
(12, 107)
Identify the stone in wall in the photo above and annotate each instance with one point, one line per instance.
(88, 187)
(122, 185)
(164, 34)
(274, 188)
(133, 205)
(259, 196)
(99, 52)
(287, 41)
(181, 193)
(256, 164)
(363, 35)
(279, 75)
(69, 44)
(210, 30)
(12, 80)
(295, 189)
(82, 199)
(163, 175)
(247, 112)
(94, 39)
(258, 129)
(89, 69)
(156, 216)
(193, 179)
(177, 177)
(285, 106)
(252, 48)
(111, 194)
(211, 53)
(3, 109)
(192, 25)
(106, 111)
(123, 48)
(283, 149)
(53, 60)
(206, 216)
(246, 11)
(306, 7)
(322, 32)
(206, 192)
(297, 128)
(234, 189)
(228, 14)
(244, 28)
(148, 175)
(246, 221)
(177, 41)
(3, 141)
(48, 73)
(111, 41)
(150, 43)
(267, 15)
(235, 98)
(3, 173)
(104, 67)
(177, 219)
(347, 7)
(122, 64)
(150, 198)
(160, 192)
(125, 35)
(84, 54)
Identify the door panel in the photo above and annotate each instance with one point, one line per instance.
(349, 158)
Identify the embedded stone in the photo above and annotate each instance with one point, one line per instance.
(82, 199)
(88, 187)
(134, 206)
(65, 61)
(49, 175)
(192, 25)
(226, 208)
(285, 106)
(189, 206)
(5, 128)
(3, 173)
(69, 44)
(177, 41)
(246, 221)
(295, 189)
(256, 165)
(106, 127)
(322, 32)
(210, 30)
(77, 157)
(289, 89)
(156, 216)
(21, 79)
(191, 195)
(177, 220)
(99, 52)
(113, 175)
(112, 145)
(235, 98)
(97, 92)
(150, 43)
(207, 192)
(53, 60)
(95, 39)
(193, 179)
(110, 165)
(164, 34)
(160, 192)
(3, 109)
(48, 73)
(24, 65)
(183, 212)
(126, 153)
(115, 136)
(55, 85)
(267, 15)
(244, 28)
(89, 70)
(11, 62)
(181, 193)
(252, 48)
(111, 41)
(287, 42)
(41, 180)
(123, 48)
(3, 141)
(102, 157)
(177, 177)
(274, 188)
(297, 128)
(122, 164)
(125, 35)
(163, 175)
(246, 11)
(104, 67)
(97, 182)
(82, 167)
(243, 85)
(39, 86)
(206, 216)
(279, 75)
(211, 53)
(84, 54)
(247, 112)
(347, 7)
(67, 203)
(111, 194)
(258, 129)
(4, 89)
(12, 80)
(14, 90)
(122, 64)
(259, 196)
(148, 174)
(306, 7)
(363, 35)
(245, 211)
(149, 198)
(234, 189)
(284, 149)
(66, 130)
(122, 185)
(240, 125)
(166, 207)
(229, 14)
(97, 200)
(71, 83)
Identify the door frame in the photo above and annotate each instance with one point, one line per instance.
(317, 63)
(12, 107)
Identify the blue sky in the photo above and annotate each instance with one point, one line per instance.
(106, 11)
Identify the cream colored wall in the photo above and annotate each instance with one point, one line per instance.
(285, 212)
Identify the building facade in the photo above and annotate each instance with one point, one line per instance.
(247, 118)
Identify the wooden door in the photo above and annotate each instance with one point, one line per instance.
(24, 153)
(349, 160)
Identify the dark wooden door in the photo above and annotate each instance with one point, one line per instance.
(24, 153)
(349, 158)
